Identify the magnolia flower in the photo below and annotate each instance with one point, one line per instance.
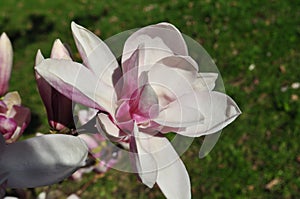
(40, 161)
(159, 90)
(58, 107)
(6, 59)
(14, 118)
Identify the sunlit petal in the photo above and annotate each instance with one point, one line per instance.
(218, 110)
(172, 176)
(108, 128)
(95, 54)
(59, 51)
(6, 60)
(158, 42)
(173, 77)
(179, 114)
(143, 161)
(70, 78)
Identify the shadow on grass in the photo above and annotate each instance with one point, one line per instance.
(34, 124)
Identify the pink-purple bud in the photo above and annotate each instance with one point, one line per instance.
(6, 59)
(58, 107)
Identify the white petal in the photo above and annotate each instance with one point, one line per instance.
(59, 51)
(205, 81)
(85, 116)
(178, 115)
(158, 41)
(42, 160)
(39, 57)
(172, 177)
(185, 64)
(173, 77)
(208, 144)
(95, 53)
(77, 83)
(107, 128)
(148, 106)
(218, 110)
(11, 99)
(6, 61)
(144, 162)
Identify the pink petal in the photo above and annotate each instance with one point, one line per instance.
(3, 107)
(130, 76)
(6, 60)
(142, 106)
(62, 111)
(70, 78)
(41, 83)
(95, 54)
(7, 126)
(123, 111)
(148, 106)
(22, 118)
(44, 87)
(158, 41)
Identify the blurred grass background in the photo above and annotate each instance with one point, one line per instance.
(258, 155)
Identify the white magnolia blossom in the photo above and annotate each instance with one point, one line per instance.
(158, 89)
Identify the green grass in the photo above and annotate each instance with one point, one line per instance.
(260, 146)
